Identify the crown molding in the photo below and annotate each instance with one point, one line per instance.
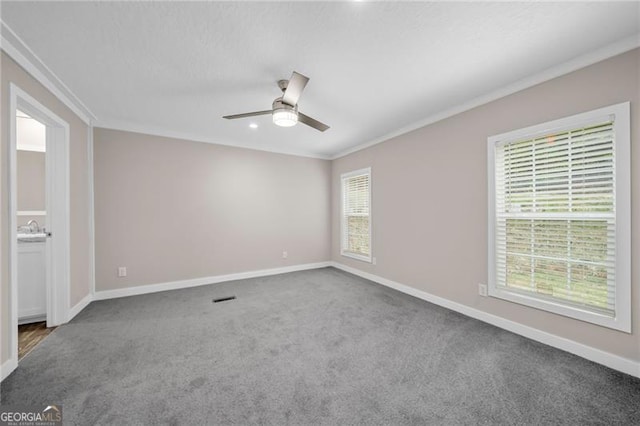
(151, 130)
(18, 50)
(27, 59)
(609, 51)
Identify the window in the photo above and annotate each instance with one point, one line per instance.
(559, 217)
(356, 215)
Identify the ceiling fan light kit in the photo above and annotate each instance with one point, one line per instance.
(284, 110)
(284, 115)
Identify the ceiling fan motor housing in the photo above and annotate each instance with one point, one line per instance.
(279, 105)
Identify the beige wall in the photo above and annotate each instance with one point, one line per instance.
(171, 209)
(31, 180)
(429, 197)
(31, 185)
(80, 235)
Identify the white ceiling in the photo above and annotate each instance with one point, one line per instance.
(176, 68)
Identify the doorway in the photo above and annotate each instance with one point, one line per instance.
(46, 265)
(31, 219)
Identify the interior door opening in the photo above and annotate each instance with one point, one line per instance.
(39, 218)
(31, 219)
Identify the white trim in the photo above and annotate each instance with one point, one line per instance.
(30, 314)
(4, 368)
(7, 368)
(27, 59)
(58, 207)
(614, 49)
(343, 252)
(357, 256)
(608, 359)
(165, 133)
(195, 282)
(80, 306)
(92, 218)
(13, 232)
(58, 195)
(622, 170)
(564, 123)
(32, 319)
(11, 364)
(31, 148)
(31, 213)
(622, 126)
(362, 171)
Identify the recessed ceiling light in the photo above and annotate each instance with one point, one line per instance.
(253, 125)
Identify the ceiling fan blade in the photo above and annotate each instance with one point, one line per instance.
(296, 85)
(312, 122)
(247, 114)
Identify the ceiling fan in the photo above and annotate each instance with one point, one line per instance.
(284, 109)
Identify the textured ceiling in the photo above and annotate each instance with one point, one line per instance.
(375, 67)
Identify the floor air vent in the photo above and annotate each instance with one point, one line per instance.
(224, 299)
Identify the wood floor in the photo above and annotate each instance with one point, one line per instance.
(29, 335)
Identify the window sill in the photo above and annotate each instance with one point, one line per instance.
(356, 256)
(615, 323)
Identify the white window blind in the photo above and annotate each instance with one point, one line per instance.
(555, 236)
(556, 216)
(356, 224)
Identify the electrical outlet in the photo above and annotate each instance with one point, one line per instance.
(122, 271)
(482, 290)
(374, 261)
(285, 254)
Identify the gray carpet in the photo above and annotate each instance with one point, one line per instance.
(312, 347)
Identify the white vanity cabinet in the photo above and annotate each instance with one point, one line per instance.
(32, 289)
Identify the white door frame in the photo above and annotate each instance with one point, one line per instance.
(58, 212)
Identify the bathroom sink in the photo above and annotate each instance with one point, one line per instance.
(36, 237)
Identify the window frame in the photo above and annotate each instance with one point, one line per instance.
(622, 187)
(343, 225)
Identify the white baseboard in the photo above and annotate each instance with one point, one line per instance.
(610, 360)
(32, 318)
(7, 368)
(79, 306)
(175, 285)
(11, 364)
(32, 312)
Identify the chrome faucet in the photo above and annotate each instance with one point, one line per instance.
(33, 226)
